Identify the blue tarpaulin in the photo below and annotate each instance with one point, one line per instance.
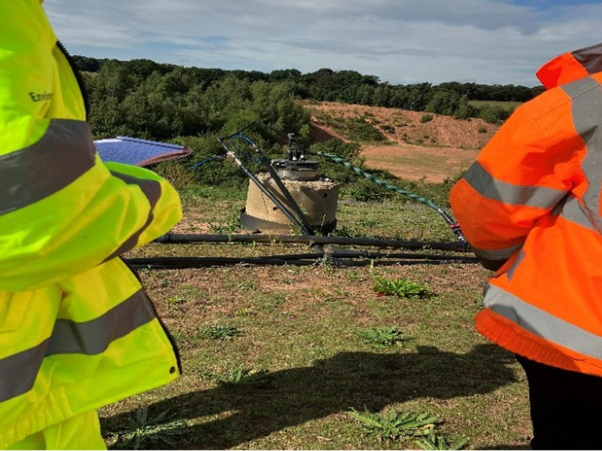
(138, 152)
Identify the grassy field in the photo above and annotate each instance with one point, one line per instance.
(378, 356)
(493, 103)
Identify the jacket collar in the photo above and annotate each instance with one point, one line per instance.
(571, 66)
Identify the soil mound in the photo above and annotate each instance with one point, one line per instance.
(418, 145)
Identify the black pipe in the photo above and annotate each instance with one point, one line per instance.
(341, 263)
(173, 238)
(295, 259)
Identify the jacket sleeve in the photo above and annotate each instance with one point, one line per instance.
(526, 169)
(62, 210)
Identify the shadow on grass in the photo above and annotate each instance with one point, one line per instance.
(359, 380)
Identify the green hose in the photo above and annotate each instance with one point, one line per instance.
(450, 222)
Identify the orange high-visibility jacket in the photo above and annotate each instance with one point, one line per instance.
(533, 198)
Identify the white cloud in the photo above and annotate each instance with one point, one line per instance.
(400, 41)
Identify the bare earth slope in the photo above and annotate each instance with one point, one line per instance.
(431, 150)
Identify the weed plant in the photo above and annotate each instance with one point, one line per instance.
(381, 337)
(433, 441)
(146, 431)
(218, 332)
(403, 288)
(239, 375)
(394, 425)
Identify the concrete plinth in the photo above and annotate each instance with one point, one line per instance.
(317, 199)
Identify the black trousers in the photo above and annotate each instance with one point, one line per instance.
(566, 407)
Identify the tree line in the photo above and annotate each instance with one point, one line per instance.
(153, 100)
(195, 106)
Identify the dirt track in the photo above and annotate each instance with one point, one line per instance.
(433, 164)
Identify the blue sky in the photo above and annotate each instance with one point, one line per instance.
(399, 41)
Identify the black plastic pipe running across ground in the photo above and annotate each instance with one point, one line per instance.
(173, 238)
(336, 259)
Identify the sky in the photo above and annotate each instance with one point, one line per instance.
(398, 41)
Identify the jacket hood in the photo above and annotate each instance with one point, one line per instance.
(571, 66)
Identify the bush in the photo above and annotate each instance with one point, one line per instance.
(388, 128)
(360, 130)
(350, 152)
(426, 118)
(176, 173)
(493, 114)
(364, 190)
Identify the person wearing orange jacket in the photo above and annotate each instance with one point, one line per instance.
(530, 208)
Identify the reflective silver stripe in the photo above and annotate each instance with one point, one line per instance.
(586, 95)
(152, 191)
(19, 371)
(150, 188)
(95, 336)
(31, 174)
(574, 212)
(530, 196)
(590, 58)
(541, 323)
(498, 254)
(516, 264)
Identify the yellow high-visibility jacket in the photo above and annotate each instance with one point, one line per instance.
(532, 199)
(76, 330)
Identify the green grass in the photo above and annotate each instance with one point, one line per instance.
(218, 332)
(505, 105)
(273, 357)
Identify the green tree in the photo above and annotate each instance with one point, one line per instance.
(464, 110)
(443, 102)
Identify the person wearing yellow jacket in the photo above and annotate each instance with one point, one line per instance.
(530, 208)
(77, 331)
